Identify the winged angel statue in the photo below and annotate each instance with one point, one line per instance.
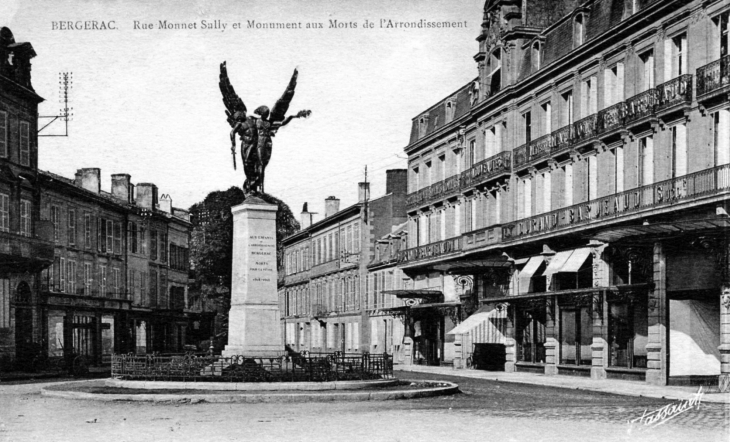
(255, 130)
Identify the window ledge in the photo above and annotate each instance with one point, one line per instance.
(626, 370)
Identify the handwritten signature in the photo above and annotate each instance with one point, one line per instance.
(668, 412)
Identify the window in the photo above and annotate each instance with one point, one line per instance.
(579, 32)
(568, 185)
(102, 281)
(422, 126)
(536, 55)
(56, 221)
(576, 335)
(153, 287)
(589, 96)
(109, 236)
(71, 227)
(592, 177)
(153, 245)
(25, 223)
(619, 167)
(646, 158)
(88, 279)
(566, 109)
(627, 334)
(356, 238)
(163, 247)
(546, 192)
(613, 87)
(87, 230)
(646, 73)
(547, 117)
(527, 198)
(3, 134)
(132, 239)
(527, 126)
(62, 275)
(450, 111)
(116, 282)
(142, 236)
(415, 179)
(117, 238)
(721, 136)
(723, 26)
(71, 276)
(678, 56)
(4, 213)
(495, 75)
(24, 143)
(679, 150)
(470, 154)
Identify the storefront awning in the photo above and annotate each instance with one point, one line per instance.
(576, 260)
(469, 323)
(430, 295)
(531, 267)
(557, 262)
(436, 305)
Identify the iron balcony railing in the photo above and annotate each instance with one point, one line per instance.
(661, 194)
(714, 76)
(432, 250)
(620, 115)
(298, 367)
(473, 176)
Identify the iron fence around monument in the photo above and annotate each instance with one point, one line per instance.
(304, 367)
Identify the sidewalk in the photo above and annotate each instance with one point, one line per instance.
(13, 376)
(612, 386)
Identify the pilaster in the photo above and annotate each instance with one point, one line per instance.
(601, 278)
(656, 347)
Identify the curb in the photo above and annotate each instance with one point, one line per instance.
(251, 386)
(720, 398)
(249, 398)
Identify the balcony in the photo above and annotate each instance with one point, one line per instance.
(636, 113)
(713, 82)
(482, 172)
(24, 253)
(680, 190)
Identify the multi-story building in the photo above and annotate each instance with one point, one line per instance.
(119, 277)
(579, 187)
(25, 247)
(324, 282)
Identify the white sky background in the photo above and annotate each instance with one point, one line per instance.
(147, 103)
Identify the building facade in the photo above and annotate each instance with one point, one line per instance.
(324, 281)
(119, 275)
(25, 246)
(577, 189)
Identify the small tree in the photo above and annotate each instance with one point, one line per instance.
(211, 251)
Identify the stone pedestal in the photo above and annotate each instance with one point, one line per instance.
(254, 327)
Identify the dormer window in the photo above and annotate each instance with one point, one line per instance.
(495, 76)
(422, 125)
(536, 55)
(579, 30)
(449, 111)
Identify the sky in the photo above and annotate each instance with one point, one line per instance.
(146, 101)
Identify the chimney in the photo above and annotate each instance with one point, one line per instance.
(331, 206)
(363, 192)
(396, 181)
(122, 188)
(165, 204)
(146, 195)
(89, 179)
(306, 218)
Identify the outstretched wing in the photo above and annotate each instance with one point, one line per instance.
(278, 113)
(232, 101)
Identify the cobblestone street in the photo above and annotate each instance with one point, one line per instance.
(486, 410)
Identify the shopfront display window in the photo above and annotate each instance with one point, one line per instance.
(531, 336)
(627, 333)
(575, 336)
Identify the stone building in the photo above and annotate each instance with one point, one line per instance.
(324, 280)
(119, 276)
(25, 246)
(576, 191)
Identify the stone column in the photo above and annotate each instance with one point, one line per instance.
(724, 333)
(656, 347)
(552, 356)
(509, 340)
(254, 327)
(599, 346)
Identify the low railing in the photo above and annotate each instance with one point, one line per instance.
(673, 92)
(660, 194)
(475, 175)
(641, 105)
(713, 76)
(299, 367)
(431, 250)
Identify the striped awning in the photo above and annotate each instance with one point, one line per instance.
(557, 262)
(576, 260)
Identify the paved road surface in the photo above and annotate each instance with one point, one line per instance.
(486, 411)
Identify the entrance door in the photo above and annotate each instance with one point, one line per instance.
(24, 334)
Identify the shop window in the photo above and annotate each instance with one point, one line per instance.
(531, 336)
(576, 335)
(627, 333)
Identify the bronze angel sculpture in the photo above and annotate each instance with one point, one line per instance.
(255, 130)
